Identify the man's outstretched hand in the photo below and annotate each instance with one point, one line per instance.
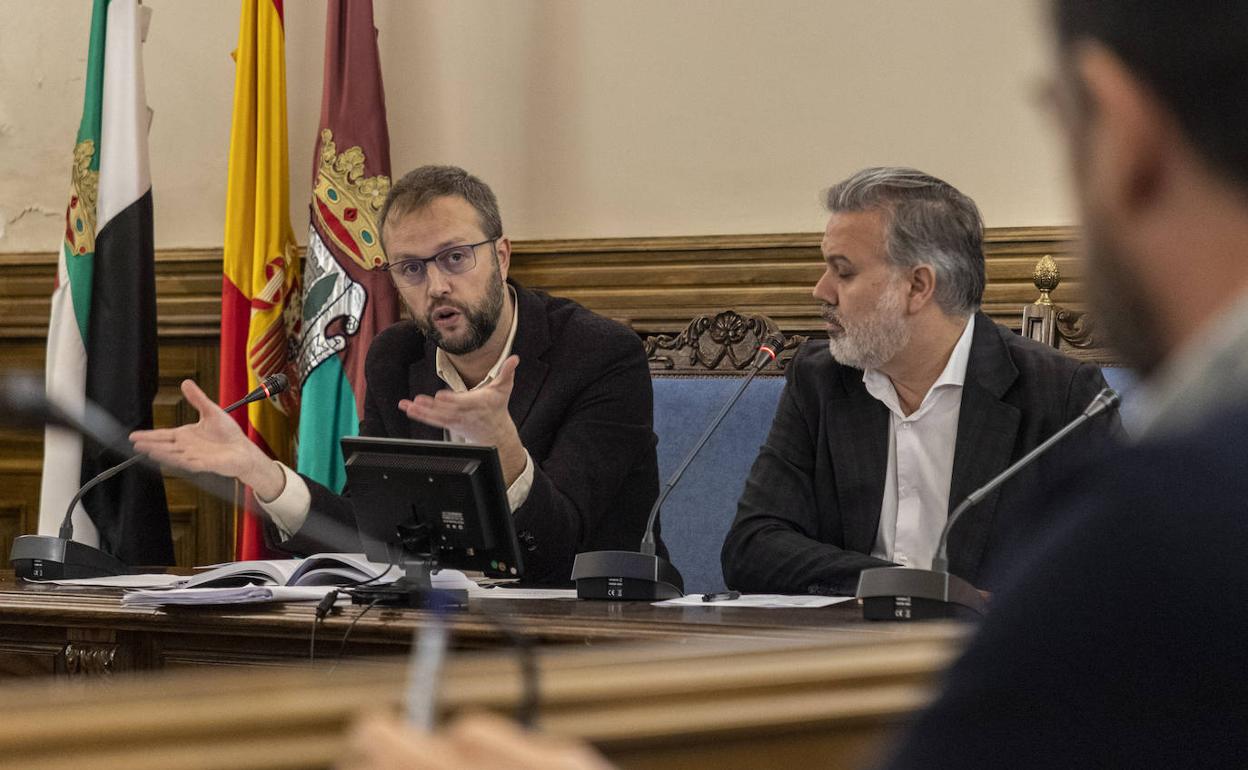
(480, 416)
(213, 444)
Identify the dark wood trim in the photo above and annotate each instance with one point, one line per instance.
(653, 284)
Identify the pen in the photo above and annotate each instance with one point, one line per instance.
(722, 596)
(424, 670)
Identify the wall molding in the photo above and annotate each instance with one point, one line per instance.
(653, 284)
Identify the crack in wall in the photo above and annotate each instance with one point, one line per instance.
(32, 209)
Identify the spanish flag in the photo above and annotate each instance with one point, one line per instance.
(102, 331)
(259, 293)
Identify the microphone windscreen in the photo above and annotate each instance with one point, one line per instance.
(770, 347)
(276, 383)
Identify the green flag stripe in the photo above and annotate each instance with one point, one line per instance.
(326, 414)
(92, 104)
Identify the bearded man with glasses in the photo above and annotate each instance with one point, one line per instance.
(563, 393)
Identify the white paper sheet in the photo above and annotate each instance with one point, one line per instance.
(121, 581)
(252, 594)
(523, 593)
(769, 601)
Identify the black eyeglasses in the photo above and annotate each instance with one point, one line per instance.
(452, 261)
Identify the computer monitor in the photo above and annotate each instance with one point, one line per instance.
(420, 500)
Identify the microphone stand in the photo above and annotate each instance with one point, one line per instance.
(645, 576)
(44, 557)
(906, 593)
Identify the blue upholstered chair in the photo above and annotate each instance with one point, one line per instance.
(695, 373)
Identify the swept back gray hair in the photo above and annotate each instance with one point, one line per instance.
(929, 222)
(419, 187)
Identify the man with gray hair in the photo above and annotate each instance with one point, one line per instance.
(914, 401)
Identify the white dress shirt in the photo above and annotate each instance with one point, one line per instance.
(920, 461)
(289, 510)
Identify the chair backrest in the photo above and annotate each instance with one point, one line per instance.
(1073, 332)
(695, 373)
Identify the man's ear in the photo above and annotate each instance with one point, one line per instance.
(1129, 132)
(503, 250)
(922, 288)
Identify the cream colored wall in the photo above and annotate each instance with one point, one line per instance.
(590, 119)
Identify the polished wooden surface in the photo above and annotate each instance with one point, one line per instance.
(808, 688)
(50, 629)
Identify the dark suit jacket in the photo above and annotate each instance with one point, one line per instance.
(584, 408)
(1123, 641)
(809, 515)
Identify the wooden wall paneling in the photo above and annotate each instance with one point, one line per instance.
(655, 285)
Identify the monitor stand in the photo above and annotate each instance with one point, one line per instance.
(413, 590)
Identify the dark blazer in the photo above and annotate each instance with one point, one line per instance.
(584, 407)
(809, 515)
(1123, 640)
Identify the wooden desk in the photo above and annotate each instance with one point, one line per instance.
(836, 702)
(55, 630)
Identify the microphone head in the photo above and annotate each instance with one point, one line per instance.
(1106, 400)
(276, 383)
(772, 345)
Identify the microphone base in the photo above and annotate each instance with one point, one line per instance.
(625, 576)
(905, 593)
(43, 557)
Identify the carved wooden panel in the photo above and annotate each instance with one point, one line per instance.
(724, 342)
(655, 285)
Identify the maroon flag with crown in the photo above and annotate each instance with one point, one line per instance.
(347, 300)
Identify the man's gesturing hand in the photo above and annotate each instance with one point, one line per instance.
(480, 416)
(214, 444)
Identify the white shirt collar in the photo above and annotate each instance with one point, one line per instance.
(1207, 374)
(952, 376)
(446, 370)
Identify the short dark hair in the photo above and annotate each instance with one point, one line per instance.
(928, 222)
(418, 188)
(1192, 54)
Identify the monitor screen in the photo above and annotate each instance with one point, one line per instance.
(412, 497)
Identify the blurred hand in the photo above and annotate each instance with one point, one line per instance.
(480, 416)
(477, 741)
(214, 444)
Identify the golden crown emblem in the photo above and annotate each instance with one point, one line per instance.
(346, 204)
(83, 193)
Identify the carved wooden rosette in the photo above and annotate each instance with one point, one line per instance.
(89, 659)
(724, 342)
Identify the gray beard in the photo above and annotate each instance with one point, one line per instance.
(875, 340)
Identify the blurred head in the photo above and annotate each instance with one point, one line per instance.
(1153, 98)
(899, 245)
(446, 253)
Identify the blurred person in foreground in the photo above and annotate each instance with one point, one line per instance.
(1121, 643)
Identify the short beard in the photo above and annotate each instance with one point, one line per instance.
(873, 341)
(1120, 315)
(481, 320)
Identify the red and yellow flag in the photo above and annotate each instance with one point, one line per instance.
(259, 293)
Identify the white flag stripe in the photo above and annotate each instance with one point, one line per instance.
(66, 378)
(124, 172)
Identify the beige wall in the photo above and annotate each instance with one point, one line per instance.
(594, 118)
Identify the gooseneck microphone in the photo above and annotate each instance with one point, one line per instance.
(645, 576)
(906, 593)
(43, 557)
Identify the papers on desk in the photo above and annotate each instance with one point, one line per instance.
(121, 581)
(768, 601)
(249, 594)
(501, 592)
